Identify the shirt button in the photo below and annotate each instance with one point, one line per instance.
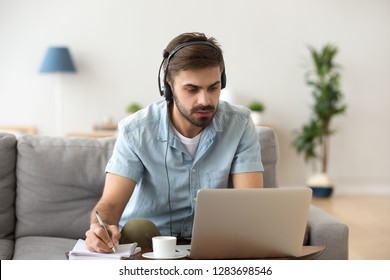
(193, 170)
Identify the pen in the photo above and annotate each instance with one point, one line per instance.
(105, 229)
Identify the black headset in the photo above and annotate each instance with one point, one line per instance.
(166, 90)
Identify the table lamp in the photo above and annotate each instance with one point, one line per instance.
(58, 60)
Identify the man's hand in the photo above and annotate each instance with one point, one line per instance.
(116, 194)
(98, 241)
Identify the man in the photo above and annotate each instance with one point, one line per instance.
(168, 151)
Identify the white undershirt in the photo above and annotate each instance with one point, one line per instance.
(191, 144)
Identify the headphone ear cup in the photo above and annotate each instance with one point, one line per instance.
(167, 92)
(223, 79)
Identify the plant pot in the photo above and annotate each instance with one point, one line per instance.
(256, 117)
(321, 184)
(322, 191)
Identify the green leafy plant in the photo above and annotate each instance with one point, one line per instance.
(256, 106)
(133, 107)
(312, 140)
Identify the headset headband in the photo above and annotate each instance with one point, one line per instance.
(166, 90)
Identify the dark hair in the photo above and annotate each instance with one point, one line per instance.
(193, 56)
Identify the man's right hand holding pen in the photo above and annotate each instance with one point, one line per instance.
(101, 237)
(116, 194)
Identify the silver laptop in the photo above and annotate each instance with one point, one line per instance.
(249, 223)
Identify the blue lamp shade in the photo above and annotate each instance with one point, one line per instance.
(57, 59)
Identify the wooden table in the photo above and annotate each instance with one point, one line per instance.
(92, 134)
(308, 253)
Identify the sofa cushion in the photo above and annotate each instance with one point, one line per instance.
(36, 248)
(7, 185)
(59, 181)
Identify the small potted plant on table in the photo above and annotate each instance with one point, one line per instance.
(132, 108)
(257, 108)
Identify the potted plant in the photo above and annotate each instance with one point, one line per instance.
(132, 108)
(312, 140)
(257, 108)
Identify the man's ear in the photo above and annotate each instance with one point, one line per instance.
(170, 83)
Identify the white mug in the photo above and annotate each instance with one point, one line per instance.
(164, 246)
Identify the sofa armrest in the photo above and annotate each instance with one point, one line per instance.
(326, 230)
(6, 249)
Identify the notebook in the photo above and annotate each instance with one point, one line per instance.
(249, 223)
(123, 251)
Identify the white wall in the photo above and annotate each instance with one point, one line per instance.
(117, 47)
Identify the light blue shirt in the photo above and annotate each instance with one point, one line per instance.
(148, 152)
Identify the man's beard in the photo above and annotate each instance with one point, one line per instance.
(199, 122)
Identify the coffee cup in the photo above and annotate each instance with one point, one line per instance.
(164, 246)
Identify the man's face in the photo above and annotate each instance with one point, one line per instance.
(196, 95)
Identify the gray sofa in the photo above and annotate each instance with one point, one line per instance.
(48, 186)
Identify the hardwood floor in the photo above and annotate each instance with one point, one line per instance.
(368, 219)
